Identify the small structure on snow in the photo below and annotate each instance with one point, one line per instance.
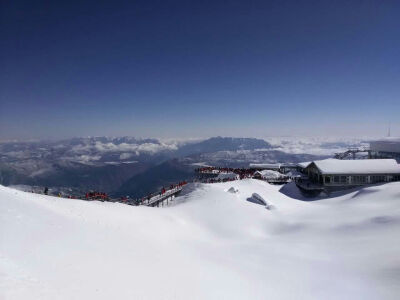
(232, 190)
(257, 199)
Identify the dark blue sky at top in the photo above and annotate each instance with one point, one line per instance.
(199, 68)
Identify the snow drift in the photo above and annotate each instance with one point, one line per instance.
(213, 245)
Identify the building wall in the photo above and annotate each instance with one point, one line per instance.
(385, 146)
(314, 174)
(358, 179)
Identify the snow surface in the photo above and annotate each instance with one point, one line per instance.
(362, 166)
(211, 244)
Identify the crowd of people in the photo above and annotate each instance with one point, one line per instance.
(216, 180)
(96, 196)
(214, 170)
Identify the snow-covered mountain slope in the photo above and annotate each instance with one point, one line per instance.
(212, 244)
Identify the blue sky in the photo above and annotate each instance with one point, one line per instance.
(200, 68)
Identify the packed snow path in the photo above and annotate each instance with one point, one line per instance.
(213, 244)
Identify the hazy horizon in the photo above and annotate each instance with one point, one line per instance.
(184, 140)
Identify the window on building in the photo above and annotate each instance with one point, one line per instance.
(377, 178)
(343, 179)
(359, 179)
(327, 179)
(336, 179)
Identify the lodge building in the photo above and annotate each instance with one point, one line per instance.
(335, 174)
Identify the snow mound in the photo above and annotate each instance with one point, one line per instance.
(213, 245)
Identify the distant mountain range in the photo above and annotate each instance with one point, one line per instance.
(126, 165)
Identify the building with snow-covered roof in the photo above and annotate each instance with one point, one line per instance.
(333, 174)
(386, 147)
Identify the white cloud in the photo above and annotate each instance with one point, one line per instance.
(125, 156)
(150, 148)
(315, 145)
(88, 158)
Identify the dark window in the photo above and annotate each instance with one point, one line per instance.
(359, 179)
(377, 178)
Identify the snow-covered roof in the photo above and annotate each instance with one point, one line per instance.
(304, 164)
(270, 174)
(362, 166)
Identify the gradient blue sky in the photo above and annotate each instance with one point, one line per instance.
(199, 68)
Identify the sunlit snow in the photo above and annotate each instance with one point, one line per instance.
(210, 244)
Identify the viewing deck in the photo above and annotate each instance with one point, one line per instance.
(158, 199)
